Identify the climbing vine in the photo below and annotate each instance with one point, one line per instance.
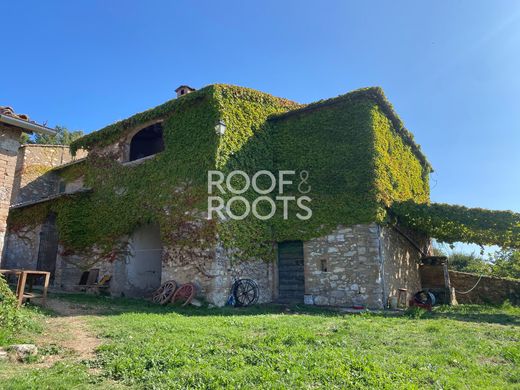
(451, 223)
(358, 155)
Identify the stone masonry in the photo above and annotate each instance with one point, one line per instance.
(214, 274)
(360, 265)
(355, 265)
(9, 145)
(34, 179)
(344, 268)
(401, 261)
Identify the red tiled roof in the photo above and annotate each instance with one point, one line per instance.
(6, 110)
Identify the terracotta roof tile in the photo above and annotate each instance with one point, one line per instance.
(6, 110)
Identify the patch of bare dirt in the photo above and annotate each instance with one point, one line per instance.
(68, 332)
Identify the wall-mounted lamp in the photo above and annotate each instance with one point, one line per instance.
(220, 128)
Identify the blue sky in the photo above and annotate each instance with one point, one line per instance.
(450, 68)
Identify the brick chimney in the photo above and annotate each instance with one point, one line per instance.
(184, 90)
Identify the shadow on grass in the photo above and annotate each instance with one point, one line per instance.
(105, 306)
(504, 315)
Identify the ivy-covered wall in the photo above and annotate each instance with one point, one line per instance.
(355, 150)
(399, 174)
(335, 145)
(357, 158)
(123, 197)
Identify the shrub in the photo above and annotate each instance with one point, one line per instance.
(9, 316)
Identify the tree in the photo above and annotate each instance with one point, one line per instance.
(63, 137)
(506, 263)
(472, 263)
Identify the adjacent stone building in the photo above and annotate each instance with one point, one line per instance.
(11, 127)
(135, 208)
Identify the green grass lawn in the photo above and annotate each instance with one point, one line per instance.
(148, 347)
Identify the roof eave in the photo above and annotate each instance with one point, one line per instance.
(28, 126)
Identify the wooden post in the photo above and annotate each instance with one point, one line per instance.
(447, 284)
(46, 287)
(18, 276)
(21, 287)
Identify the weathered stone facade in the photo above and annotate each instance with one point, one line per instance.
(21, 248)
(34, 178)
(9, 145)
(360, 265)
(214, 274)
(484, 290)
(356, 265)
(401, 261)
(344, 267)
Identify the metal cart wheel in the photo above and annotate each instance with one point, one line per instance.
(245, 292)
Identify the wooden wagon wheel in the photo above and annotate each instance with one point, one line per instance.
(164, 293)
(185, 294)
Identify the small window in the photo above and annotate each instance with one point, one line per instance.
(323, 265)
(62, 187)
(147, 142)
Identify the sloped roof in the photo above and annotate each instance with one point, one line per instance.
(10, 117)
(375, 94)
(6, 110)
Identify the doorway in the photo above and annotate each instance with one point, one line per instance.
(291, 280)
(143, 265)
(48, 246)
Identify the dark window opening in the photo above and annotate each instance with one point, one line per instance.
(147, 142)
(323, 265)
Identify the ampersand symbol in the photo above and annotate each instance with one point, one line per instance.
(304, 176)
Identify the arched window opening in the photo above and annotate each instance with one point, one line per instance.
(147, 142)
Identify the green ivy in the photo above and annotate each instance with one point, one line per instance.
(451, 223)
(400, 175)
(357, 153)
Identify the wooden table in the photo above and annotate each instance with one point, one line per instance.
(23, 275)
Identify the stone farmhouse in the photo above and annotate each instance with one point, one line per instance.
(131, 199)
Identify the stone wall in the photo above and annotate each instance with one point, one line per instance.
(34, 179)
(213, 273)
(356, 265)
(69, 268)
(210, 270)
(9, 145)
(351, 256)
(21, 248)
(489, 290)
(401, 261)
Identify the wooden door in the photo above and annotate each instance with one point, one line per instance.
(48, 248)
(291, 280)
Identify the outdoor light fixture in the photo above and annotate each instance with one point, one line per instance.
(220, 128)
